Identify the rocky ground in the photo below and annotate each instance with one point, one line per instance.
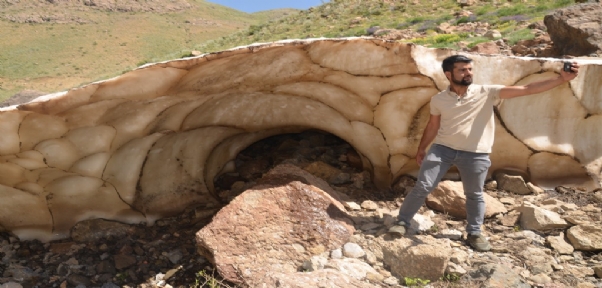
(106, 254)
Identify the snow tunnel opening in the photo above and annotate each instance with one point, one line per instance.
(320, 153)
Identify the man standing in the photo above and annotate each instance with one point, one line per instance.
(462, 127)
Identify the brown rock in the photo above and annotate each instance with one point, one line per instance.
(512, 183)
(486, 48)
(123, 261)
(576, 30)
(307, 178)
(272, 229)
(559, 244)
(511, 219)
(253, 169)
(320, 278)
(322, 170)
(422, 257)
(449, 197)
(354, 159)
(585, 237)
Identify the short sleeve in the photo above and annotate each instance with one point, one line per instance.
(493, 91)
(434, 109)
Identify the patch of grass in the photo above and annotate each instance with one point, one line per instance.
(415, 282)
(451, 278)
(523, 34)
(484, 10)
(209, 280)
(466, 19)
(477, 40)
(439, 40)
(513, 10)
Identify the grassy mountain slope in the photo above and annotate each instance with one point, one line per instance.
(343, 18)
(52, 47)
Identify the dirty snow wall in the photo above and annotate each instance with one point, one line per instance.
(149, 143)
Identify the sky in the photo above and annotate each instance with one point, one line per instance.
(251, 6)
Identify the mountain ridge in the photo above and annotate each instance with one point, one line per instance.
(54, 45)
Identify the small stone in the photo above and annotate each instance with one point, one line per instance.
(175, 256)
(559, 244)
(371, 258)
(491, 185)
(452, 234)
(315, 263)
(124, 261)
(375, 277)
(369, 205)
(454, 269)
(353, 250)
(541, 279)
(336, 254)
(391, 281)
(352, 206)
(109, 285)
(535, 189)
(11, 285)
(507, 201)
(598, 197)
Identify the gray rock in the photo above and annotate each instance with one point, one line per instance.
(497, 275)
(539, 219)
(541, 278)
(351, 267)
(24, 274)
(426, 258)
(369, 205)
(452, 234)
(314, 263)
(560, 245)
(96, 230)
(175, 256)
(537, 259)
(11, 285)
(336, 254)
(514, 184)
(353, 250)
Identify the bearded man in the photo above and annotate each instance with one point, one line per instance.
(461, 127)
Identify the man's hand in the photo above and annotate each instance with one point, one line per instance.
(568, 76)
(420, 156)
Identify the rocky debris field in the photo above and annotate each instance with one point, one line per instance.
(545, 238)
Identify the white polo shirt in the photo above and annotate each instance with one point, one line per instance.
(467, 122)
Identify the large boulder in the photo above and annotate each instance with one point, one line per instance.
(268, 231)
(576, 30)
(449, 198)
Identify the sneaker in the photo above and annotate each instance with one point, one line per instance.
(478, 242)
(398, 229)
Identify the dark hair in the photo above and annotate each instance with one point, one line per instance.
(448, 63)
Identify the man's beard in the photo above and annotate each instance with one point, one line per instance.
(463, 82)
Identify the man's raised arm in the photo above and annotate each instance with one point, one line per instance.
(540, 86)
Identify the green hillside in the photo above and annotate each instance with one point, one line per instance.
(346, 18)
(53, 47)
